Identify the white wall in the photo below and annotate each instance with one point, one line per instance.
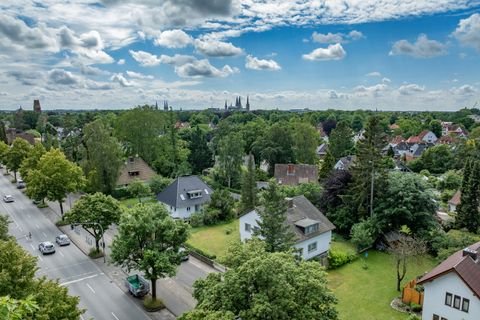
(323, 240)
(181, 213)
(434, 300)
(323, 245)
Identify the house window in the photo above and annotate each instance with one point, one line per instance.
(443, 318)
(188, 208)
(456, 302)
(465, 305)
(256, 229)
(311, 229)
(435, 317)
(133, 173)
(290, 169)
(312, 246)
(248, 227)
(197, 207)
(448, 299)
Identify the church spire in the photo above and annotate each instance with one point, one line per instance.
(226, 105)
(247, 105)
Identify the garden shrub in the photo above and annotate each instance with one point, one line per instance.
(121, 193)
(338, 258)
(196, 219)
(416, 307)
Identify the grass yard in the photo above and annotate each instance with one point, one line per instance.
(130, 202)
(214, 239)
(366, 294)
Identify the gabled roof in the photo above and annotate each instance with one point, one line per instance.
(346, 162)
(322, 149)
(134, 168)
(463, 265)
(424, 133)
(294, 174)
(176, 194)
(456, 198)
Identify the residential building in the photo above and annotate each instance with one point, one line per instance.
(312, 230)
(294, 174)
(344, 163)
(450, 129)
(452, 289)
(322, 150)
(454, 201)
(134, 168)
(184, 196)
(13, 133)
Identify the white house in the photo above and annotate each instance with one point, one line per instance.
(452, 289)
(454, 201)
(344, 163)
(428, 136)
(184, 196)
(312, 230)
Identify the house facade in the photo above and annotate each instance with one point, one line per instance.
(294, 174)
(134, 168)
(454, 201)
(452, 289)
(312, 230)
(185, 196)
(344, 163)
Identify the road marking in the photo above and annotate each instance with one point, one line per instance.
(60, 252)
(81, 317)
(89, 287)
(44, 234)
(78, 280)
(31, 245)
(40, 257)
(20, 228)
(29, 216)
(38, 227)
(113, 314)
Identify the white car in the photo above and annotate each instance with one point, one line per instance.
(46, 247)
(62, 240)
(8, 198)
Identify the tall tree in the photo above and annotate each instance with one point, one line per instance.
(340, 143)
(327, 165)
(139, 189)
(266, 286)
(31, 161)
(306, 141)
(3, 132)
(468, 215)
(437, 159)
(230, 157)
(249, 186)
(273, 229)
(200, 157)
(149, 240)
(436, 127)
(369, 167)
(16, 154)
(3, 152)
(95, 212)
(55, 177)
(103, 156)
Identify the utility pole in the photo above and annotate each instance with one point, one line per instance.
(371, 190)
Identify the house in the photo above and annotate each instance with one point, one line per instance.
(454, 201)
(294, 174)
(428, 136)
(450, 129)
(322, 150)
(184, 196)
(344, 163)
(394, 127)
(312, 230)
(134, 168)
(13, 133)
(452, 289)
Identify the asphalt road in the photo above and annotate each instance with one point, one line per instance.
(102, 298)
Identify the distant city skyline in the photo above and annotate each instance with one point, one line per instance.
(197, 54)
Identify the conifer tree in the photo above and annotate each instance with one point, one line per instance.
(340, 142)
(3, 133)
(249, 186)
(327, 165)
(468, 215)
(273, 229)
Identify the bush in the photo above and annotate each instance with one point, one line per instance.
(413, 317)
(196, 219)
(61, 223)
(152, 305)
(416, 307)
(94, 253)
(121, 193)
(337, 258)
(200, 251)
(362, 235)
(211, 216)
(158, 184)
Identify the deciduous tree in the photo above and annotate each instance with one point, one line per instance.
(306, 141)
(31, 161)
(200, 157)
(249, 186)
(139, 189)
(16, 154)
(149, 240)
(230, 157)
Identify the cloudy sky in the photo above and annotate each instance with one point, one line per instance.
(317, 54)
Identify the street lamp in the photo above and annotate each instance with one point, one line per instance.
(72, 225)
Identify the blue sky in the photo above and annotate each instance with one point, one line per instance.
(317, 54)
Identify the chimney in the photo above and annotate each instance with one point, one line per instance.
(289, 202)
(470, 252)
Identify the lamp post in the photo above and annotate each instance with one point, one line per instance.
(103, 238)
(371, 189)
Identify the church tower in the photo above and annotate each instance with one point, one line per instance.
(36, 106)
(247, 105)
(165, 105)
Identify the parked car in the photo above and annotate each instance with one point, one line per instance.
(62, 240)
(46, 247)
(137, 285)
(8, 198)
(20, 184)
(184, 252)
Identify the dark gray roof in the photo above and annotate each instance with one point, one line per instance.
(176, 194)
(303, 223)
(302, 209)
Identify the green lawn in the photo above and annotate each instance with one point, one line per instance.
(365, 294)
(130, 202)
(214, 239)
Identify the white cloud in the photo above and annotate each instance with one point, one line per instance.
(254, 63)
(332, 52)
(468, 31)
(409, 89)
(121, 62)
(464, 90)
(145, 59)
(137, 75)
(203, 68)
(336, 37)
(118, 77)
(386, 80)
(421, 48)
(62, 77)
(214, 48)
(373, 91)
(173, 39)
(374, 74)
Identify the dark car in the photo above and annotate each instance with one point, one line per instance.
(20, 184)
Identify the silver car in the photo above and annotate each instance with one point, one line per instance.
(62, 240)
(46, 247)
(8, 198)
(20, 184)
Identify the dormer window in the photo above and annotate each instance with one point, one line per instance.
(131, 159)
(194, 194)
(311, 229)
(133, 173)
(308, 226)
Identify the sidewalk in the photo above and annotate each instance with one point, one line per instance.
(85, 242)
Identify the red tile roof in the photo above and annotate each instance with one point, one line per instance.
(456, 198)
(423, 134)
(414, 139)
(464, 266)
(396, 140)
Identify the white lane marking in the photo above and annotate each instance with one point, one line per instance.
(44, 234)
(40, 257)
(60, 252)
(38, 227)
(78, 280)
(113, 314)
(29, 216)
(31, 245)
(89, 287)
(81, 317)
(20, 228)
